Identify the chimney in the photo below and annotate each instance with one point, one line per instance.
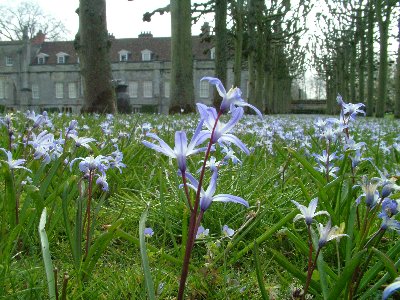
(205, 30)
(145, 34)
(39, 38)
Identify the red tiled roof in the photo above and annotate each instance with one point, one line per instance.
(159, 46)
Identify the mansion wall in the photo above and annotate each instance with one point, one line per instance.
(27, 82)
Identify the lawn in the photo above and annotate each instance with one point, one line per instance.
(100, 187)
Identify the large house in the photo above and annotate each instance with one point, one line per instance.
(40, 75)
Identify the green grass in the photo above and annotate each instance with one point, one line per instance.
(221, 268)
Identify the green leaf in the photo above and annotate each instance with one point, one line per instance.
(98, 248)
(145, 261)
(294, 270)
(346, 275)
(266, 234)
(306, 164)
(387, 262)
(261, 285)
(48, 264)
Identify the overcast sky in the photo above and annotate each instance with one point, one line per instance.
(124, 18)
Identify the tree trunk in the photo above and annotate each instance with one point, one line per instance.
(221, 55)
(383, 16)
(370, 58)
(238, 15)
(182, 90)
(93, 44)
(397, 99)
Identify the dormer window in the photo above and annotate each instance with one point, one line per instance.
(9, 61)
(41, 58)
(212, 53)
(124, 55)
(146, 55)
(61, 57)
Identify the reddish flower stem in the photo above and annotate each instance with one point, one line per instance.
(195, 218)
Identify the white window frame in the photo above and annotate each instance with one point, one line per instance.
(212, 53)
(123, 55)
(35, 91)
(2, 88)
(167, 89)
(146, 55)
(41, 60)
(204, 89)
(59, 88)
(72, 90)
(61, 59)
(133, 89)
(9, 61)
(147, 89)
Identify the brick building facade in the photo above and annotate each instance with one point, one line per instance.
(40, 75)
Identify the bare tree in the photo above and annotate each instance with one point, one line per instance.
(30, 16)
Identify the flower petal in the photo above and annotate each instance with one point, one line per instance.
(230, 198)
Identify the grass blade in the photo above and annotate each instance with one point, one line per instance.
(48, 264)
(261, 285)
(145, 261)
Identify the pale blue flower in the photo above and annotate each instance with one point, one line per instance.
(102, 180)
(207, 197)
(202, 232)
(82, 141)
(370, 192)
(148, 232)
(231, 98)
(226, 231)
(221, 131)
(91, 163)
(182, 149)
(391, 288)
(308, 213)
(328, 233)
(13, 163)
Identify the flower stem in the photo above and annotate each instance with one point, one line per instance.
(195, 218)
(90, 187)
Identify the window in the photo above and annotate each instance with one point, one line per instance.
(59, 90)
(35, 91)
(212, 53)
(123, 55)
(41, 58)
(166, 89)
(133, 89)
(204, 89)
(2, 88)
(61, 59)
(9, 61)
(72, 90)
(146, 55)
(147, 89)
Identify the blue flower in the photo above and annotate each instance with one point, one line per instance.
(148, 232)
(13, 163)
(391, 288)
(182, 149)
(201, 232)
(370, 192)
(102, 180)
(328, 233)
(389, 223)
(231, 98)
(207, 197)
(308, 213)
(91, 163)
(226, 231)
(209, 114)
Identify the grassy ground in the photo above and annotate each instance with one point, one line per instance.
(222, 267)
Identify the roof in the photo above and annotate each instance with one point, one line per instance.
(159, 46)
